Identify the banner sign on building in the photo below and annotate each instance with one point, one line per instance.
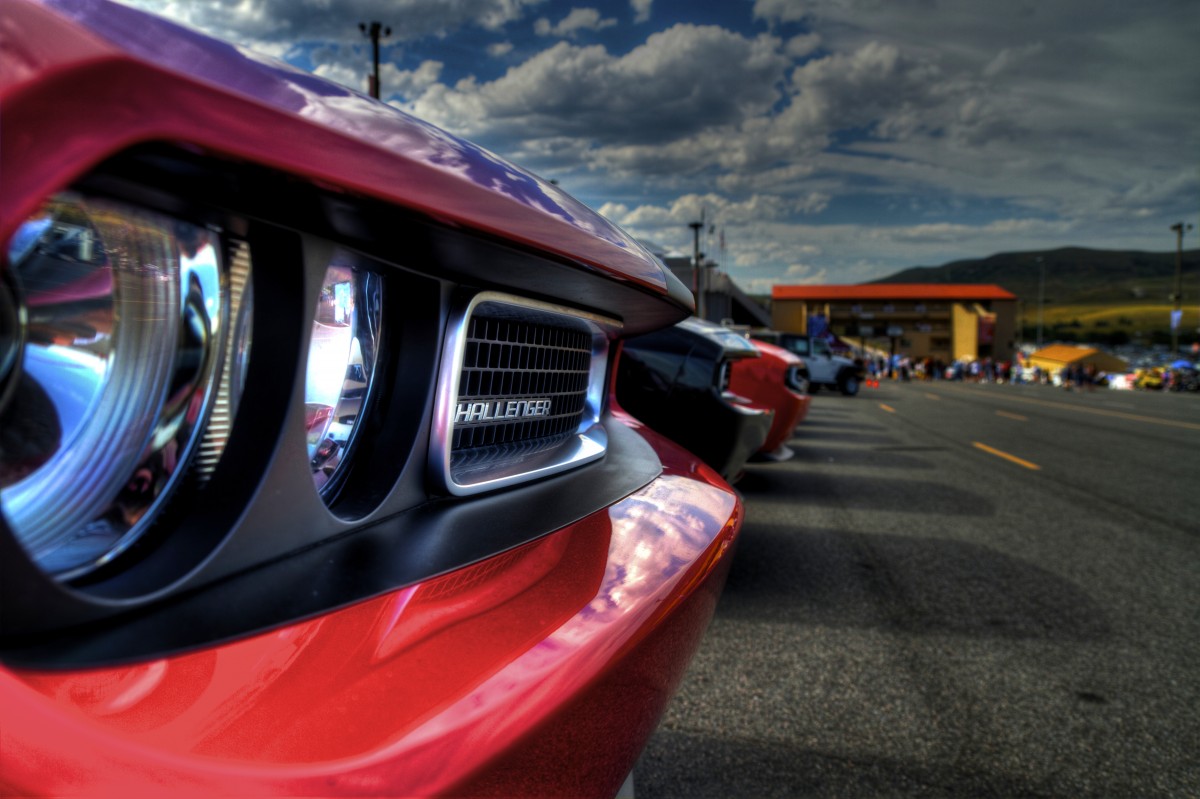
(987, 329)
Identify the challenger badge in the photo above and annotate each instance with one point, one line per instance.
(488, 411)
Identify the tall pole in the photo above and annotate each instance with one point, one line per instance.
(696, 283)
(374, 31)
(1177, 293)
(1041, 296)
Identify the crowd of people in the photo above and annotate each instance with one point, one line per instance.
(982, 370)
(1077, 376)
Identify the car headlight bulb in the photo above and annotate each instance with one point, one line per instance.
(107, 373)
(341, 364)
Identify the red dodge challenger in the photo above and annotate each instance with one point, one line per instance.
(311, 479)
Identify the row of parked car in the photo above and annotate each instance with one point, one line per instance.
(338, 456)
(721, 395)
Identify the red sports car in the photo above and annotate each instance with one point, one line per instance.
(776, 380)
(310, 482)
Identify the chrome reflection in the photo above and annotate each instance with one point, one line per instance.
(341, 363)
(121, 322)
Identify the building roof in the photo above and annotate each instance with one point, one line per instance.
(1064, 353)
(1057, 355)
(893, 291)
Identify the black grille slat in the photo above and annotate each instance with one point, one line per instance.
(517, 359)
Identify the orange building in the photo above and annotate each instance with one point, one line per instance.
(942, 321)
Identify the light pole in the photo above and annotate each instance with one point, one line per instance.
(374, 31)
(1041, 296)
(696, 282)
(1177, 294)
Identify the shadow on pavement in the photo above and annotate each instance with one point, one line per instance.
(892, 494)
(767, 770)
(902, 584)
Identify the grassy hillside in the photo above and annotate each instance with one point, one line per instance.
(1089, 295)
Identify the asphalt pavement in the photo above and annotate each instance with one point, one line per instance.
(956, 590)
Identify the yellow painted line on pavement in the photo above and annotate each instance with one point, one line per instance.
(887, 408)
(1016, 416)
(933, 397)
(1007, 457)
(1096, 411)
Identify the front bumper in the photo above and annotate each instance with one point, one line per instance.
(540, 671)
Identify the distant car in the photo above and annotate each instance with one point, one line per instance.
(311, 480)
(825, 368)
(1185, 378)
(677, 381)
(1151, 379)
(1121, 382)
(778, 380)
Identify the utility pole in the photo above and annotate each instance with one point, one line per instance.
(374, 31)
(1041, 296)
(697, 286)
(1177, 294)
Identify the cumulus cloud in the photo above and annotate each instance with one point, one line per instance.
(803, 45)
(660, 92)
(965, 127)
(717, 209)
(580, 19)
(1008, 57)
(805, 274)
(409, 82)
(265, 24)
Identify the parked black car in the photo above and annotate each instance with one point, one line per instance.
(676, 380)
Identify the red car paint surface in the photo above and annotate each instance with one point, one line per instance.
(482, 681)
(761, 380)
(477, 682)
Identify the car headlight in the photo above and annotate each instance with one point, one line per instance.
(113, 337)
(341, 363)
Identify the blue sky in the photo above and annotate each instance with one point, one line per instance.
(831, 140)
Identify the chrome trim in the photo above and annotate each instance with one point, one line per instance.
(590, 439)
(233, 362)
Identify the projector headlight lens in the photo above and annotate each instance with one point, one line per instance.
(109, 342)
(341, 363)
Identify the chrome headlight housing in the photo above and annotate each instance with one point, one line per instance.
(116, 335)
(340, 368)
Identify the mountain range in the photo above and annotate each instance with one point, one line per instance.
(1073, 275)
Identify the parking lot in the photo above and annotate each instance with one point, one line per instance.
(956, 590)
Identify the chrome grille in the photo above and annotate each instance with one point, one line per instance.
(507, 362)
(520, 393)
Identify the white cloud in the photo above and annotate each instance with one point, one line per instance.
(409, 82)
(580, 19)
(660, 93)
(803, 45)
(967, 127)
(350, 77)
(1008, 57)
(269, 25)
(645, 220)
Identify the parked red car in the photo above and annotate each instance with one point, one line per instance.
(310, 482)
(777, 380)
